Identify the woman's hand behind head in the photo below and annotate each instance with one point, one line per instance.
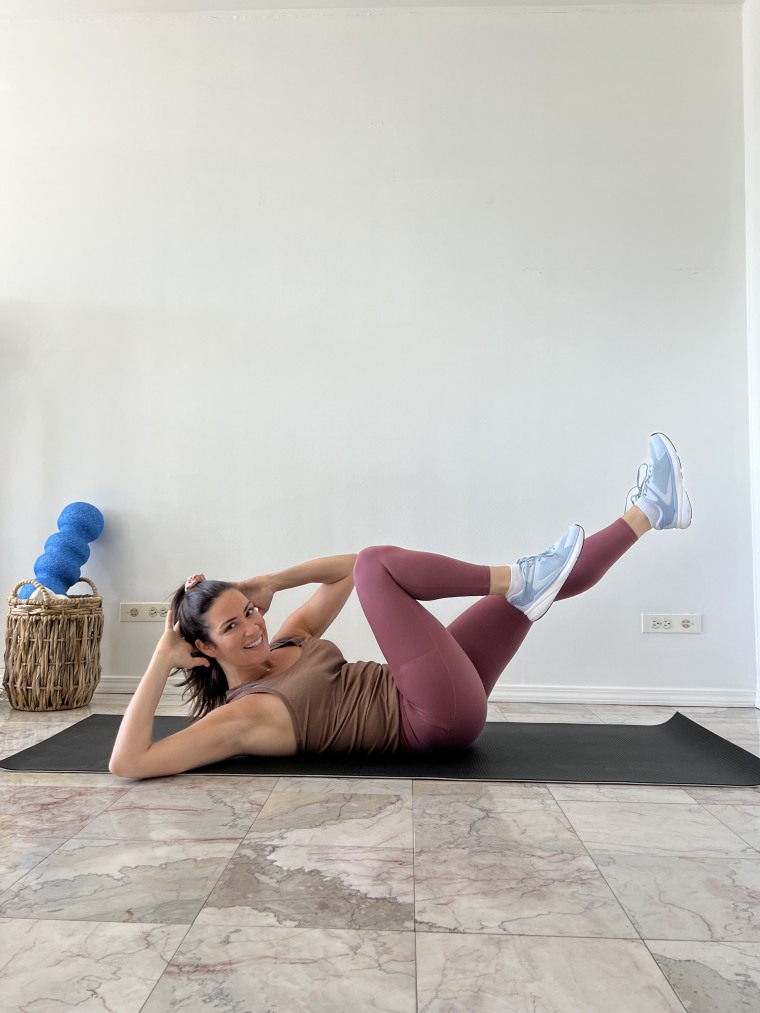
(176, 649)
(258, 590)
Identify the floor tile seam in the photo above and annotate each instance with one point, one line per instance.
(320, 818)
(334, 847)
(185, 810)
(654, 802)
(669, 854)
(582, 937)
(723, 859)
(84, 838)
(595, 939)
(221, 801)
(731, 805)
(174, 840)
(727, 802)
(167, 965)
(415, 931)
(605, 851)
(346, 795)
(514, 856)
(167, 813)
(414, 906)
(16, 776)
(414, 922)
(47, 917)
(91, 818)
(631, 802)
(705, 942)
(78, 791)
(224, 867)
(737, 856)
(604, 879)
(76, 837)
(428, 802)
(233, 925)
(415, 849)
(90, 922)
(27, 872)
(405, 849)
(668, 984)
(755, 847)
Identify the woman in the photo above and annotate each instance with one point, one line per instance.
(297, 693)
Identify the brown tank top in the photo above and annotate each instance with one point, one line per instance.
(334, 704)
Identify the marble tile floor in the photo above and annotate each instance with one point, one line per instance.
(281, 895)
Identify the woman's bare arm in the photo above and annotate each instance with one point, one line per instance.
(327, 570)
(224, 732)
(335, 574)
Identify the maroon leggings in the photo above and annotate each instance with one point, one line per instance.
(445, 674)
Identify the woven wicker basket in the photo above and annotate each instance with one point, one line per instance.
(52, 650)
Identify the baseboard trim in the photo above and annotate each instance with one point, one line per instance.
(128, 684)
(634, 696)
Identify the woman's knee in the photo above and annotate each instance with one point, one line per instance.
(370, 559)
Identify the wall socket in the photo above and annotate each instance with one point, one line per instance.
(143, 611)
(671, 622)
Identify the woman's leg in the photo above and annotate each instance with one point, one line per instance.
(442, 699)
(491, 630)
(442, 695)
(444, 675)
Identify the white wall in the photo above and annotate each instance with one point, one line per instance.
(751, 35)
(279, 285)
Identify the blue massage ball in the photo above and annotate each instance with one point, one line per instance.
(61, 563)
(57, 570)
(83, 518)
(59, 567)
(68, 543)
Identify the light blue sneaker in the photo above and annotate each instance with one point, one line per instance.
(544, 574)
(659, 490)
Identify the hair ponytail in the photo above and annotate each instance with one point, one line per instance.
(204, 687)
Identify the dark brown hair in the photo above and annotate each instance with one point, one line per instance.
(204, 687)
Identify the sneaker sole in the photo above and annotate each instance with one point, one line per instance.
(542, 605)
(683, 516)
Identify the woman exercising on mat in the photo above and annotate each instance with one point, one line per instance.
(297, 693)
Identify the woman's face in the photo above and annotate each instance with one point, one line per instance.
(237, 631)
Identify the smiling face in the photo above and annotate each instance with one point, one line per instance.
(237, 633)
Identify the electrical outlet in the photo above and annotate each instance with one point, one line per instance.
(143, 611)
(667, 622)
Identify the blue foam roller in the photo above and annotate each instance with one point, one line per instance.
(67, 550)
(57, 571)
(83, 518)
(70, 544)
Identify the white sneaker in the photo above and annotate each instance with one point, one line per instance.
(659, 490)
(545, 573)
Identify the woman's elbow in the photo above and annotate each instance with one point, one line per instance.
(120, 767)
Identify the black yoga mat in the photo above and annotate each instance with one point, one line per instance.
(678, 752)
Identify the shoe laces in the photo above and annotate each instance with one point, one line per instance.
(551, 551)
(642, 481)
